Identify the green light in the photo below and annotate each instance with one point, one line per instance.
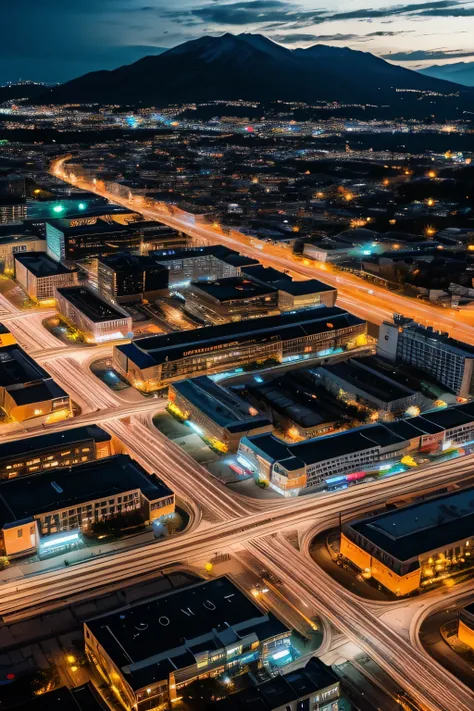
(58, 208)
(82, 206)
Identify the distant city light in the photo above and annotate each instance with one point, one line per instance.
(58, 208)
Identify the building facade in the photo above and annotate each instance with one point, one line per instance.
(34, 510)
(124, 278)
(195, 633)
(450, 362)
(95, 318)
(156, 361)
(39, 275)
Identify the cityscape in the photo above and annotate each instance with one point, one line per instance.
(237, 358)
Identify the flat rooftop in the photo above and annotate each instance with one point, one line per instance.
(302, 288)
(173, 346)
(81, 698)
(363, 376)
(100, 227)
(415, 530)
(123, 261)
(91, 304)
(43, 442)
(41, 265)
(206, 616)
(169, 255)
(232, 289)
(17, 368)
(266, 275)
(221, 406)
(23, 498)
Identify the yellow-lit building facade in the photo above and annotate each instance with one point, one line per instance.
(414, 547)
(466, 626)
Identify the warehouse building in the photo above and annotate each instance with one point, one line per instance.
(22, 457)
(158, 360)
(358, 379)
(97, 319)
(215, 413)
(232, 299)
(150, 651)
(39, 275)
(27, 392)
(35, 509)
(413, 546)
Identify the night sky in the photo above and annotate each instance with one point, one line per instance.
(56, 40)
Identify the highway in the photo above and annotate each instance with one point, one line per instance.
(362, 298)
(235, 522)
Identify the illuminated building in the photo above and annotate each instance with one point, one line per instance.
(215, 413)
(159, 360)
(96, 319)
(358, 379)
(327, 460)
(65, 242)
(208, 263)
(292, 295)
(49, 510)
(295, 404)
(233, 299)
(126, 278)
(39, 275)
(466, 626)
(28, 394)
(12, 210)
(22, 457)
(151, 650)
(411, 546)
(315, 687)
(449, 361)
(17, 243)
(6, 337)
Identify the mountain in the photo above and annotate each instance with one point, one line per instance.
(23, 90)
(249, 67)
(460, 72)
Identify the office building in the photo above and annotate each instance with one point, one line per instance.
(232, 299)
(450, 362)
(34, 509)
(27, 392)
(304, 294)
(39, 275)
(331, 459)
(150, 651)
(124, 278)
(314, 687)
(66, 243)
(12, 210)
(466, 626)
(359, 380)
(215, 413)
(414, 545)
(157, 236)
(96, 319)
(22, 457)
(158, 360)
(201, 263)
(17, 243)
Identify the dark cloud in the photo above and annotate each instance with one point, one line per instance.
(437, 7)
(246, 12)
(420, 55)
(289, 38)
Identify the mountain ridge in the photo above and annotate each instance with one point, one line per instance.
(249, 67)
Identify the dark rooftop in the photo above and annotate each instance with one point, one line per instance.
(81, 698)
(301, 288)
(123, 261)
(232, 288)
(356, 372)
(172, 346)
(265, 275)
(91, 304)
(42, 442)
(209, 615)
(41, 265)
(420, 528)
(58, 488)
(17, 368)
